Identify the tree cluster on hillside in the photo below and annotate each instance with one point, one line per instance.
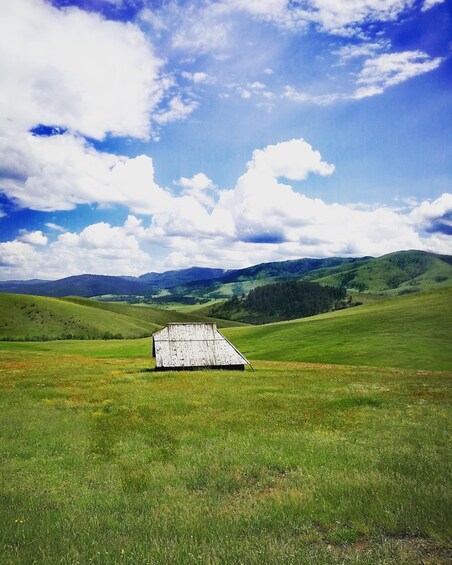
(282, 301)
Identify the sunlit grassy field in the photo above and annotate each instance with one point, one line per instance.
(411, 331)
(39, 318)
(104, 461)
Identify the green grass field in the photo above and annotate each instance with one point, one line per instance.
(326, 454)
(36, 317)
(412, 331)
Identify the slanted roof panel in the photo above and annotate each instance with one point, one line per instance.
(188, 332)
(194, 345)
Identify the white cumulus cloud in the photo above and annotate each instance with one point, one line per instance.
(343, 17)
(376, 75)
(198, 77)
(17, 259)
(265, 211)
(74, 69)
(202, 28)
(390, 69)
(319, 99)
(356, 50)
(293, 159)
(339, 17)
(55, 227)
(62, 171)
(178, 109)
(430, 3)
(260, 219)
(199, 186)
(97, 249)
(33, 237)
(434, 216)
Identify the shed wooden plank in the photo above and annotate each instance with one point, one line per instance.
(194, 345)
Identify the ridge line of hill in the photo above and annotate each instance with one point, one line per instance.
(38, 318)
(402, 271)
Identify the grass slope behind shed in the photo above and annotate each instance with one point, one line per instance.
(411, 331)
(24, 317)
(157, 316)
(34, 317)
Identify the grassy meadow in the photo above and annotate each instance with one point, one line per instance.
(322, 455)
(411, 331)
(38, 318)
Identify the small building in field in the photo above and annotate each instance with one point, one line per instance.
(194, 346)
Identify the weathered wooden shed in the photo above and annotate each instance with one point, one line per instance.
(194, 346)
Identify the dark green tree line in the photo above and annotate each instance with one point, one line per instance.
(283, 301)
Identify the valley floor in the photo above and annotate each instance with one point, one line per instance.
(105, 461)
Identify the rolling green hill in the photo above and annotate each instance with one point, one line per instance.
(41, 318)
(411, 331)
(237, 282)
(396, 273)
(156, 316)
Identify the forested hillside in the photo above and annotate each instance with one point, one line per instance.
(282, 301)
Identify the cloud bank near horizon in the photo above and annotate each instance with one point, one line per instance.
(262, 218)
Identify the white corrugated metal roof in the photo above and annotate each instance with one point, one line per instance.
(194, 345)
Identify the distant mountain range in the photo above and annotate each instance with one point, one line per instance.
(99, 285)
(400, 272)
(170, 279)
(79, 285)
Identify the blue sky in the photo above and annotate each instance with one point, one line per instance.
(142, 135)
